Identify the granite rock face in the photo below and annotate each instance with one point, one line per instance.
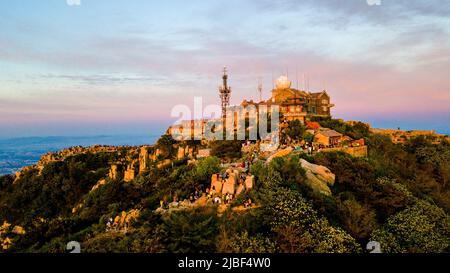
(233, 184)
(319, 178)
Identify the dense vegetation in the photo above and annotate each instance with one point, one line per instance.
(398, 196)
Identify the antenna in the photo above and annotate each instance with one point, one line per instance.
(303, 82)
(307, 83)
(225, 92)
(260, 87)
(273, 81)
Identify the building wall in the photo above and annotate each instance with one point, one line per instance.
(321, 139)
(322, 105)
(353, 151)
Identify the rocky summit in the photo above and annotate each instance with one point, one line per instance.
(234, 196)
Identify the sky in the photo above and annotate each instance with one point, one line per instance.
(119, 67)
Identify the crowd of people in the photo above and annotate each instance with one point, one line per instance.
(248, 203)
(195, 196)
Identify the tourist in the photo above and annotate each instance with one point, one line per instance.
(243, 177)
(224, 176)
(196, 195)
(109, 224)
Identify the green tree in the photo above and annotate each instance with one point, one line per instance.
(290, 215)
(358, 220)
(191, 231)
(166, 144)
(417, 229)
(243, 243)
(295, 130)
(205, 168)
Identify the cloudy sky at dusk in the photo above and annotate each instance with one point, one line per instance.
(112, 67)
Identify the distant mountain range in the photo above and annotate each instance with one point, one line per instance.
(16, 153)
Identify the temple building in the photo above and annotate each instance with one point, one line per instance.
(296, 104)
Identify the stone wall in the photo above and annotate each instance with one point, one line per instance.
(353, 151)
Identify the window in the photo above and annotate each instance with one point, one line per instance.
(324, 101)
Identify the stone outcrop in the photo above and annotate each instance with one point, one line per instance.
(249, 182)
(77, 150)
(202, 153)
(319, 178)
(123, 221)
(240, 188)
(233, 184)
(181, 153)
(130, 173)
(216, 183)
(63, 155)
(229, 186)
(164, 163)
(144, 159)
(155, 155)
(183, 205)
(185, 151)
(100, 183)
(113, 172)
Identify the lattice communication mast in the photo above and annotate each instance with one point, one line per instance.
(225, 92)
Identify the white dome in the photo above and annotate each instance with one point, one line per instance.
(283, 83)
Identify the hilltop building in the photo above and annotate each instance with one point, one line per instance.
(296, 104)
(293, 104)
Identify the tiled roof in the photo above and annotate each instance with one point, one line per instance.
(312, 125)
(331, 133)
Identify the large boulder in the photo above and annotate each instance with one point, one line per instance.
(113, 173)
(319, 178)
(230, 185)
(216, 183)
(240, 189)
(130, 173)
(143, 159)
(181, 152)
(249, 182)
